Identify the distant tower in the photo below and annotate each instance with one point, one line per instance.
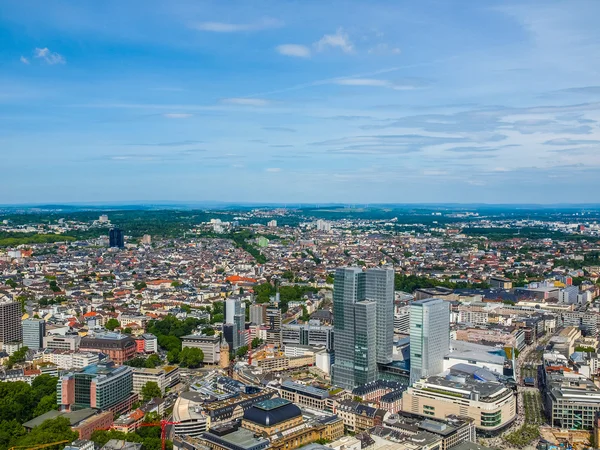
(224, 357)
(116, 238)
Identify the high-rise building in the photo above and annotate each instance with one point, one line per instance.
(11, 329)
(274, 326)
(116, 238)
(257, 314)
(235, 315)
(363, 309)
(380, 289)
(34, 331)
(429, 337)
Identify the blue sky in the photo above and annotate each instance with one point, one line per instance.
(312, 101)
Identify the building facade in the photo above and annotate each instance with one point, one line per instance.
(34, 331)
(429, 337)
(363, 304)
(10, 322)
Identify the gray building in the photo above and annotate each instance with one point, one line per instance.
(236, 315)
(274, 326)
(429, 337)
(363, 307)
(308, 334)
(257, 314)
(11, 329)
(34, 331)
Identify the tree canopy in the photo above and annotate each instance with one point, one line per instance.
(150, 390)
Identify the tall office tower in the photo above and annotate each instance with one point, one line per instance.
(429, 337)
(34, 331)
(257, 314)
(274, 326)
(11, 329)
(363, 313)
(380, 289)
(365, 342)
(116, 238)
(235, 315)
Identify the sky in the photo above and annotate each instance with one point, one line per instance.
(307, 101)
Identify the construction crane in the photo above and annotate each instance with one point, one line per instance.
(38, 446)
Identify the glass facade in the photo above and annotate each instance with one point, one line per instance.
(363, 305)
(429, 337)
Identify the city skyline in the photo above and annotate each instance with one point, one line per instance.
(336, 102)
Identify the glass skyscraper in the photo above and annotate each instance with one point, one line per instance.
(34, 331)
(429, 337)
(363, 308)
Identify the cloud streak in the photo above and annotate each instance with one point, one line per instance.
(226, 27)
(299, 51)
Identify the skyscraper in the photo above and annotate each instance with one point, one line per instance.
(116, 238)
(236, 316)
(363, 309)
(429, 337)
(380, 289)
(10, 322)
(34, 331)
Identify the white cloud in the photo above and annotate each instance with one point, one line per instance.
(373, 82)
(24, 60)
(177, 115)
(48, 56)
(301, 51)
(340, 40)
(363, 82)
(273, 169)
(246, 101)
(224, 27)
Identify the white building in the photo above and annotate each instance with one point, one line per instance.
(141, 376)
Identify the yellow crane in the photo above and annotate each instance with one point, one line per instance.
(27, 447)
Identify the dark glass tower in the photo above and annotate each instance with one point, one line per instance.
(116, 238)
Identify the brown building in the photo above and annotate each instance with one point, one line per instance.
(118, 347)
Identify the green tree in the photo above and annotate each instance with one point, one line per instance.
(111, 324)
(208, 331)
(256, 342)
(242, 351)
(173, 356)
(127, 330)
(53, 430)
(217, 318)
(150, 390)
(153, 361)
(17, 357)
(191, 357)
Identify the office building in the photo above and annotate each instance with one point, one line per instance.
(571, 402)
(274, 326)
(10, 322)
(258, 313)
(210, 346)
(141, 376)
(363, 306)
(34, 331)
(429, 337)
(311, 333)
(235, 314)
(119, 347)
(379, 288)
(101, 386)
(69, 342)
(116, 238)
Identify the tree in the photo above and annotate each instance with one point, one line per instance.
(127, 330)
(111, 324)
(150, 390)
(53, 430)
(256, 342)
(173, 356)
(191, 357)
(137, 362)
(217, 318)
(208, 331)
(153, 361)
(17, 357)
(242, 351)
(138, 285)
